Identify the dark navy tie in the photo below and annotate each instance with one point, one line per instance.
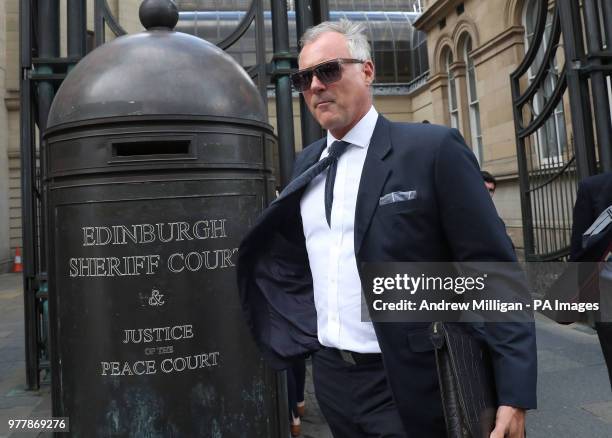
(330, 162)
(336, 149)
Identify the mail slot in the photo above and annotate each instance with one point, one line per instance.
(165, 148)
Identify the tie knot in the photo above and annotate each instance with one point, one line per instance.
(337, 148)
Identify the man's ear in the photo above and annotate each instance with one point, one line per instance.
(368, 70)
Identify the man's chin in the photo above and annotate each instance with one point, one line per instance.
(327, 122)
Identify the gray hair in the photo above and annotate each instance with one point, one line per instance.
(354, 33)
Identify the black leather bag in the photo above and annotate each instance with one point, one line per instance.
(467, 384)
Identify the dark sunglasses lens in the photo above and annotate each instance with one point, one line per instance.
(301, 80)
(328, 72)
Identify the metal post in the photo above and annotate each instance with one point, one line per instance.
(599, 89)
(311, 131)
(99, 30)
(607, 21)
(284, 101)
(526, 208)
(260, 52)
(48, 24)
(48, 47)
(27, 198)
(571, 26)
(526, 199)
(77, 28)
(321, 10)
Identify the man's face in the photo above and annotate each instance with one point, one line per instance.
(490, 187)
(341, 104)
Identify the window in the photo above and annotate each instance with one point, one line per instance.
(420, 61)
(474, 109)
(452, 92)
(551, 139)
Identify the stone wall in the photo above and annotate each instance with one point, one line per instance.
(4, 164)
(10, 186)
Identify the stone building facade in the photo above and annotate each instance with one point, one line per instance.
(479, 103)
(10, 217)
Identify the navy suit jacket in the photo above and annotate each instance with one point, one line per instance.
(451, 219)
(594, 196)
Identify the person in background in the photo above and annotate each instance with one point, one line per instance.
(296, 379)
(594, 196)
(489, 182)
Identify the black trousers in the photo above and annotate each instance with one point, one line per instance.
(296, 378)
(355, 399)
(604, 332)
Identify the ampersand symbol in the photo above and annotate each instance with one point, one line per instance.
(156, 299)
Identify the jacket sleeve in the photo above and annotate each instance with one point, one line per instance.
(475, 234)
(582, 219)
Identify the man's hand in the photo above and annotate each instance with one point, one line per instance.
(509, 422)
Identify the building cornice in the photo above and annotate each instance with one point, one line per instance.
(512, 36)
(458, 68)
(437, 81)
(12, 101)
(434, 13)
(507, 176)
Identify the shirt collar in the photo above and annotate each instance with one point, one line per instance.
(361, 133)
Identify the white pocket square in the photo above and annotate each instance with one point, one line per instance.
(392, 197)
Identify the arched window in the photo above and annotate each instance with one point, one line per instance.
(551, 139)
(472, 99)
(453, 109)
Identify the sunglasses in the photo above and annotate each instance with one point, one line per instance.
(327, 72)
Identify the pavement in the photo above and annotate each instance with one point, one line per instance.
(574, 396)
(15, 401)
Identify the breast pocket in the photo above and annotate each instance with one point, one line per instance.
(399, 207)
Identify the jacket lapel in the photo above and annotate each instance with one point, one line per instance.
(308, 158)
(373, 177)
(311, 156)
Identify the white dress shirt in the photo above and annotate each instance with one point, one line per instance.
(331, 251)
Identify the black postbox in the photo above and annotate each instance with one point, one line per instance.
(158, 161)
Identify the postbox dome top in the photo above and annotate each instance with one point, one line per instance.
(158, 72)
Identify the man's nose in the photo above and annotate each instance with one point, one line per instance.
(316, 84)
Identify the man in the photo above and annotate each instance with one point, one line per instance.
(489, 182)
(594, 196)
(299, 266)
